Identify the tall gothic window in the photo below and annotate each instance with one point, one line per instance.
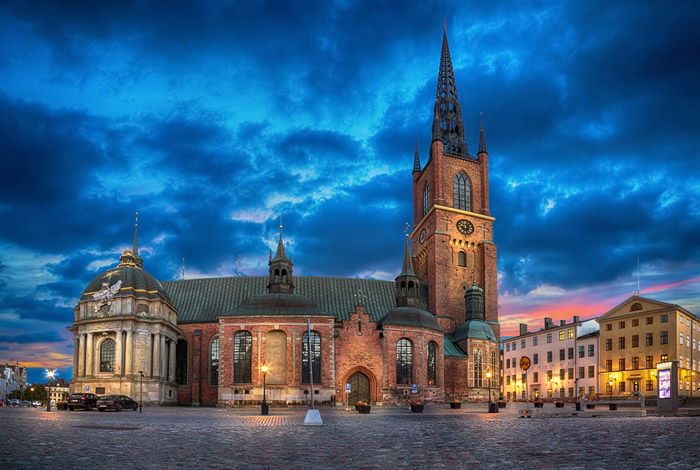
(107, 355)
(426, 198)
(432, 363)
(404, 362)
(181, 362)
(494, 364)
(315, 357)
(462, 192)
(478, 368)
(214, 362)
(242, 357)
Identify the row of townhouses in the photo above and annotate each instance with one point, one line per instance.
(12, 377)
(616, 353)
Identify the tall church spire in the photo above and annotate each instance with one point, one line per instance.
(416, 158)
(407, 282)
(280, 271)
(447, 121)
(482, 135)
(135, 252)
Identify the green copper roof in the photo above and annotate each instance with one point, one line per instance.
(474, 329)
(278, 304)
(451, 349)
(202, 300)
(410, 316)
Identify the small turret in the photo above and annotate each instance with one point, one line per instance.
(474, 297)
(407, 282)
(280, 271)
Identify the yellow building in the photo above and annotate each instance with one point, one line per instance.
(639, 333)
(58, 393)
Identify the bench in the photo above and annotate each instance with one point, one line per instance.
(590, 401)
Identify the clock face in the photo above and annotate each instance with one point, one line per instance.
(464, 226)
(421, 237)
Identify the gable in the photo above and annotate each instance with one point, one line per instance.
(635, 305)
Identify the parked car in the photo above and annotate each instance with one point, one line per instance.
(116, 403)
(87, 401)
(36, 403)
(13, 402)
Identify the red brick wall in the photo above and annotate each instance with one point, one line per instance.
(198, 390)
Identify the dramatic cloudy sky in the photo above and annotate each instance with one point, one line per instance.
(214, 120)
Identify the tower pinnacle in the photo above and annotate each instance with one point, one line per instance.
(482, 135)
(416, 158)
(447, 121)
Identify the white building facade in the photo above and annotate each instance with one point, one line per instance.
(563, 361)
(12, 377)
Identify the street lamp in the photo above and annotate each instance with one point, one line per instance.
(492, 407)
(50, 374)
(141, 393)
(265, 408)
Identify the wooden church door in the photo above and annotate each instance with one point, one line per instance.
(359, 388)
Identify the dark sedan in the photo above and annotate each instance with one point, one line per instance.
(116, 403)
(87, 401)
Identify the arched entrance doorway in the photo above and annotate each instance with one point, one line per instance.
(359, 388)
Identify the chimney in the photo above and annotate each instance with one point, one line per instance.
(577, 319)
(547, 323)
(523, 329)
(562, 322)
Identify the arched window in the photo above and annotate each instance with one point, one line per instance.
(432, 363)
(426, 198)
(242, 357)
(462, 258)
(478, 368)
(214, 362)
(181, 362)
(404, 361)
(635, 306)
(494, 364)
(462, 192)
(107, 355)
(315, 357)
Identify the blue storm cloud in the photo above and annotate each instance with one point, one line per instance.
(213, 120)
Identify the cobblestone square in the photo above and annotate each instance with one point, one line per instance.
(387, 438)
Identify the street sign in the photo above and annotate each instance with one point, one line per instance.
(414, 388)
(87, 388)
(525, 363)
(348, 387)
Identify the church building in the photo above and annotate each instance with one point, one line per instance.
(429, 335)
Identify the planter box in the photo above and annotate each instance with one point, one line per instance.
(493, 408)
(417, 408)
(455, 405)
(559, 404)
(501, 404)
(539, 404)
(363, 409)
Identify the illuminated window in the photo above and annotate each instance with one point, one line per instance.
(242, 357)
(664, 358)
(432, 363)
(478, 367)
(107, 355)
(214, 362)
(404, 361)
(570, 333)
(562, 335)
(549, 375)
(462, 192)
(315, 356)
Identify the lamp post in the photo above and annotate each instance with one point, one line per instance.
(141, 392)
(265, 408)
(49, 373)
(492, 406)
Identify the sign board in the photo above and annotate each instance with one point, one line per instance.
(414, 388)
(525, 363)
(87, 388)
(348, 388)
(664, 383)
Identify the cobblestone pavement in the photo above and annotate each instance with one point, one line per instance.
(387, 438)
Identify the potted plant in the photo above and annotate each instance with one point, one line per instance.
(538, 403)
(455, 404)
(559, 404)
(416, 407)
(501, 402)
(363, 407)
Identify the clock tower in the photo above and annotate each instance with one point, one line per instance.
(453, 227)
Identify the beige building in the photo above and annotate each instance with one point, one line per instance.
(639, 333)
(125, 325)
(58, 393)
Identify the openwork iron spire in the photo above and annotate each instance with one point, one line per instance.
(482, 136)
(135, 251)
(447, 122)
(416, 158)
